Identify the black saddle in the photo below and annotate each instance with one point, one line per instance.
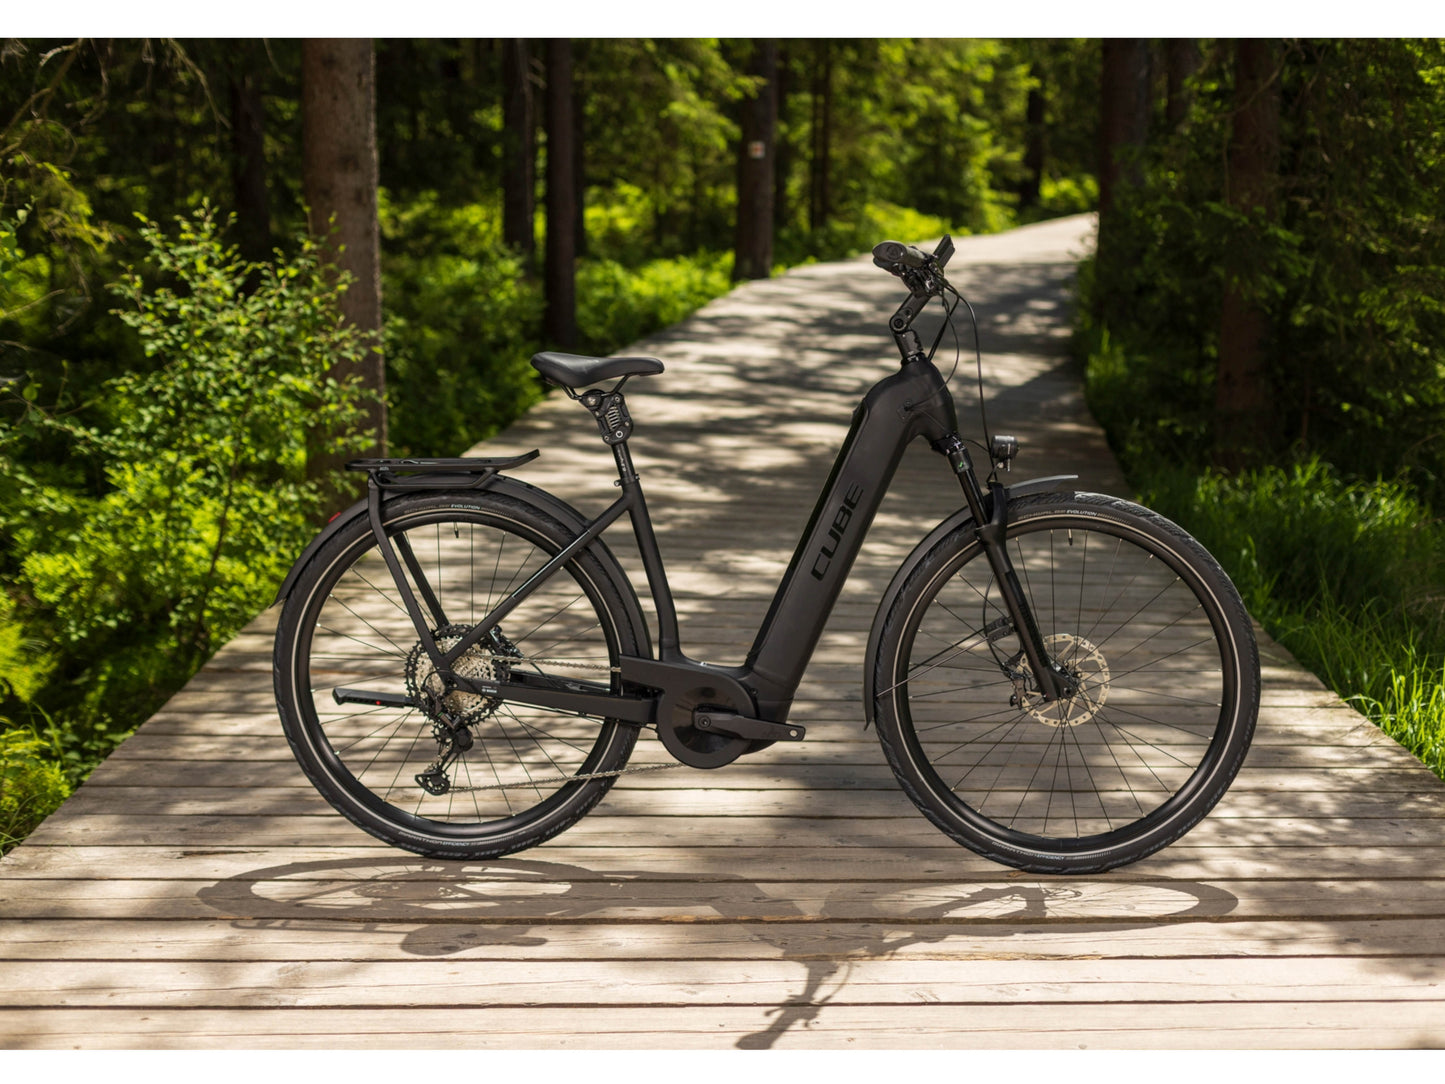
(575, 371)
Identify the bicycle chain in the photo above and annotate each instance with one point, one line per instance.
(567, 778)
(515, 659)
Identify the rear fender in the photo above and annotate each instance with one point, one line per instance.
(555, 507)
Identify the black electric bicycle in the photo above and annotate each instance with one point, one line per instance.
(1062, 681)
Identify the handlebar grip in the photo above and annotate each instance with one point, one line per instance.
(891, 254)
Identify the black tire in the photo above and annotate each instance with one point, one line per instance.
(344, 624)
(1168, 695)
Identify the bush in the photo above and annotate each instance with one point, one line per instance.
(464, 316)
(1347, 270)
(617, 305)
(32, 786)
(182, 493)
(462, 323)
(876, 220)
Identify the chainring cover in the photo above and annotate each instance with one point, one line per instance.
(691, 746)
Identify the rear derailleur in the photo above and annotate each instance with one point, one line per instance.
(453, 739)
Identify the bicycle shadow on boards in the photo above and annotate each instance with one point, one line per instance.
(438, 909)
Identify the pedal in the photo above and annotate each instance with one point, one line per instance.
(740, 726)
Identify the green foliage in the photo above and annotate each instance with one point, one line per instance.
(617, 305)
(955, 160)
(1348, 576)
(32, 785)
(937, 125)
(461, 326)
(1060, 196)
(1411, 709)
(859, 231)
(194, 495)
(1349, 268)
(1345, 570)
(1064, 74)
(463, 317)
(1296, 532)
(658, 116)
(25, 664)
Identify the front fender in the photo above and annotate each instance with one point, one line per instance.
(914, 559)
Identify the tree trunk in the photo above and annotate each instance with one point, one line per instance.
(560, 321)
(819, 196)
(579, 148)
(753, 247)
(1124, 116)
(1241, 403)
(519, 150)
(1034, 148)
(1123, 126)
(248, 166)
(339, 181)
(1181, 61)
(783, 157)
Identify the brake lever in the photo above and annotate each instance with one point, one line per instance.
(944, 252)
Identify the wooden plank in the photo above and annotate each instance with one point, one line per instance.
(800, 1026)
(1288, 773)
(943, 860)
(315, 939)
(461, 983)
(835, 748)
(863, 836)
(541, 893)
(763, 802)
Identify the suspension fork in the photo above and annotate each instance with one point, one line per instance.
(990, 513)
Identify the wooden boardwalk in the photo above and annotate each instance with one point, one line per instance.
(197, 893)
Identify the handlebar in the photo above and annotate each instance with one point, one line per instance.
(896, 257)
(922, 273)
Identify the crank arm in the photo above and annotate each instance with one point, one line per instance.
(740, 726)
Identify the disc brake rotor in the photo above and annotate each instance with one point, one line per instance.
(1085, 664)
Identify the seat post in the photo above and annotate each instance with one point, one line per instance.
(625, 472)
(614, 424)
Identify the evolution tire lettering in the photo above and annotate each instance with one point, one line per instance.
(835, 532)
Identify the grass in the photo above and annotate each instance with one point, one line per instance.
(1348, 576)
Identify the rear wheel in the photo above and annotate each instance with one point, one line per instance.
(1152, 634)
(453, 774)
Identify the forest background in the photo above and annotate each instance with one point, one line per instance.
(228, 265)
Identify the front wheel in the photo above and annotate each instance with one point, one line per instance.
(1157, 646)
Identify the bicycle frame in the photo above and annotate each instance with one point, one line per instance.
(912, 402)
